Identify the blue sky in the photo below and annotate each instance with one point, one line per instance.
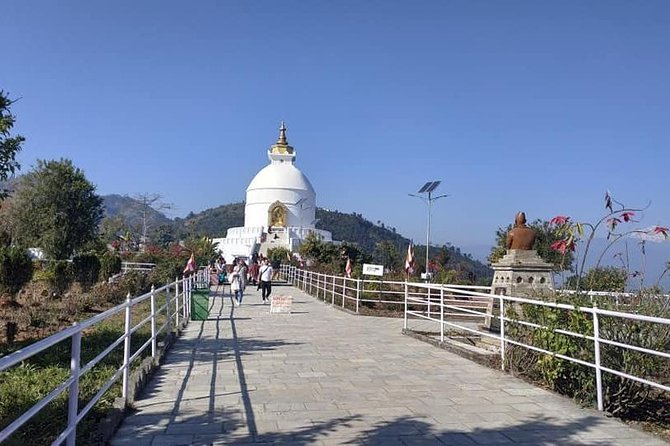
(514, 105)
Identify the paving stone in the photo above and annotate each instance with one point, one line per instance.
(321, 376)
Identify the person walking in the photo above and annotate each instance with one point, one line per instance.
(236, 286)
(265, 275)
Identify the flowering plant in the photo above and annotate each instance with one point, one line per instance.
(572, 232)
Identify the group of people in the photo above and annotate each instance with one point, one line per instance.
(239, 274)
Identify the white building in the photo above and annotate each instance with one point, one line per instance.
(280, 208)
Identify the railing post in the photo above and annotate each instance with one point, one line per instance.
(596, 340)
(73, 399)
(429, 302)
(332, 298)
(176, 308)
(183, 300)
(126, 353)
(406, 305)
(344, 290)
(189, 297)
(168, 318)
(154, 335)
(358, 293)
(502, 332)
(441, 314)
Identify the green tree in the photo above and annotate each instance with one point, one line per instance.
(318, 251)
(203, 248)
(56, 208)
(279, 254)
(546, 234)
(111, 228)
(387, 254)
(9, 145)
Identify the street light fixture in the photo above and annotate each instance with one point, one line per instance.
(428, 189)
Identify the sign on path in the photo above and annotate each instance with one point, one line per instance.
(281, 304)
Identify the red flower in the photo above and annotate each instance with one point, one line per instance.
(661, 230)
(559, 220)
(559, 245)
(627, 216)
(563, 245)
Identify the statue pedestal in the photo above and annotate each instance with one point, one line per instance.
(519, 273)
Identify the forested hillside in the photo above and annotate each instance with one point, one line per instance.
(350, 228)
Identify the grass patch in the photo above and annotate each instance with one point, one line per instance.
(24, 385)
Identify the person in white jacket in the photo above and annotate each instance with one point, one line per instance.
(265, 275)
(236, 284)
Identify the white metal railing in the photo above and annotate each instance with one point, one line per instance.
(594, 312)
(177, 306)
(457, 307)
(136, 266)
(351, 293)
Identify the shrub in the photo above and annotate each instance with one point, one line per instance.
(86, 269)
(135, 283)
(622, 397)
(60, 275)
(166, 271)
(16, 269)
(110, 264)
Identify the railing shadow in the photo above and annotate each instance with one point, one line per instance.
(535, 431)
(209, 414)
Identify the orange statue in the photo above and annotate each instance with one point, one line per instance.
(521, 236)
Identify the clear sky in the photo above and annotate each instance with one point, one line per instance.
(514, 105)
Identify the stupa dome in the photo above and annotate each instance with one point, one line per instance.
(280, 208)
(280, 185)
(282, 175)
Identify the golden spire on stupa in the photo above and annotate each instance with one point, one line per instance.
(281, 146)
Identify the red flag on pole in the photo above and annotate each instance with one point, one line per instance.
(190, 265)
(409, 260)
(347, 269)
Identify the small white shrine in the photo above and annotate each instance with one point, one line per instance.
(280, 209)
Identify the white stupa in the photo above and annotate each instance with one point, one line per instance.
(280, 208)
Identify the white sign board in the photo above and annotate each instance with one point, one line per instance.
(281, 304)
(373, 270)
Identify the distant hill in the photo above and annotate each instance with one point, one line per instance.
(132, 211)
(352, 228)
(214, 222)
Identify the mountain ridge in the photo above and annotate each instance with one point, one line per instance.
(352, 228)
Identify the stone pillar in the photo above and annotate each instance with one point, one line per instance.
(519, 273)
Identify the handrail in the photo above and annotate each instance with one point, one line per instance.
(181, 289)
(426, 301)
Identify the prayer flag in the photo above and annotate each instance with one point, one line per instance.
(190, 265)
(409, 260)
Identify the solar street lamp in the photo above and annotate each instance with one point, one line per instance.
(428, 189)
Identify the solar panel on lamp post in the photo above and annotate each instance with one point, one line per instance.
(428, 189)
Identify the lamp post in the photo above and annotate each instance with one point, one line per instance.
(428, 189)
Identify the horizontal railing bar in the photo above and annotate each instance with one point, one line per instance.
(635, 378)
(93, 362)
(105, 387)
(140, 350)
(27, 415)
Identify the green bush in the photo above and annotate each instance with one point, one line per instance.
(166, 271)
(622, 397)
(110, 264)
(16, 269)
(86, 269)
(60, 275)
(135, 283)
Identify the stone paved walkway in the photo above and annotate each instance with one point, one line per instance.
(321, 376)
